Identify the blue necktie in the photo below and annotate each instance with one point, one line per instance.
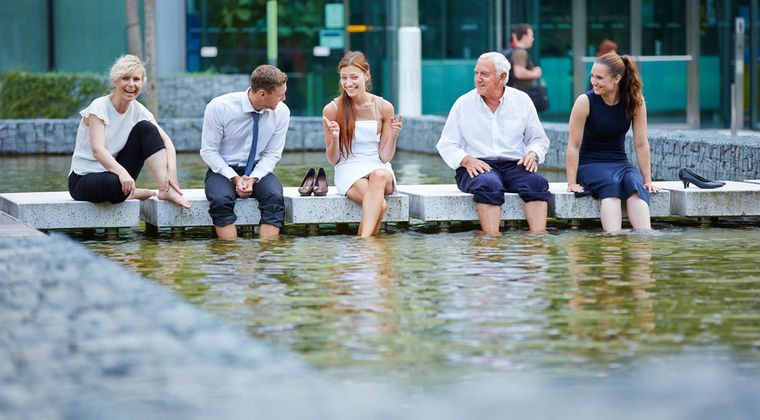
(254, 144)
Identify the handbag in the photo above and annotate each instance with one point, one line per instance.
(539, 96)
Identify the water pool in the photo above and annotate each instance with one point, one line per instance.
(421, 306)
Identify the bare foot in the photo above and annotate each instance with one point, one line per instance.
(142, 194)
(173, 196)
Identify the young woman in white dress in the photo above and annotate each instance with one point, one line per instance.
(360, 139)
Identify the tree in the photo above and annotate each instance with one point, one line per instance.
(133, 29)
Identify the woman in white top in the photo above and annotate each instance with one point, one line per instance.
(360, 138)
(116, 136)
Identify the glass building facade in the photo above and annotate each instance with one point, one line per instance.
(454, 33)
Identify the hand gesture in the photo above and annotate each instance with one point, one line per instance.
(475, 166)
(396, 125)
(529, 161)
(127, 184)
(575, 188)
(332, 127)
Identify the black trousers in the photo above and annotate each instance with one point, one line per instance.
(144, 140)
(220, 192)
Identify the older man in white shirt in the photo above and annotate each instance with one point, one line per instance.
(242, 140)
(494, 141)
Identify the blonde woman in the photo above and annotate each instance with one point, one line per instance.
(116, 137)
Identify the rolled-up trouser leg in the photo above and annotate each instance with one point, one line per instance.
(486, 188)
(268, 192)
(220, 192)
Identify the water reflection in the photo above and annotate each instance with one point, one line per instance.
(424, 306)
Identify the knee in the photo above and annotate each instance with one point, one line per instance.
(380, 177)
(222, 200)
(146, 126)
(537, 182)
(272, 197)
(488, 181)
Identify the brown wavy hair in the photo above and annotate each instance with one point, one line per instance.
(346, 112)
(630, 85)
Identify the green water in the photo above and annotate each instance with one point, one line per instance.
(421, 306)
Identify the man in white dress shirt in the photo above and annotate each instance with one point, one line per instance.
(242, 140)
(494, 141)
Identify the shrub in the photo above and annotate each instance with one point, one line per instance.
(47, 95)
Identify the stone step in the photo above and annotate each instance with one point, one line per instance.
(435, 202)
(444, 202)
(10, 226)
(57, 210)
(335, 208)
(161, 213)
(567, 206)
(732, 199)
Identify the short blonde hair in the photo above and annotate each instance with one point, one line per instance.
(126, 64)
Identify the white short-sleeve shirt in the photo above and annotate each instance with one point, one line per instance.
(118, 127)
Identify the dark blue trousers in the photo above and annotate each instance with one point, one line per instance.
(220, 192)
(505, 176)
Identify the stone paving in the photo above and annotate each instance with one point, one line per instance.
(82, 337)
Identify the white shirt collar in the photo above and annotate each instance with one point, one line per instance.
(248, 107)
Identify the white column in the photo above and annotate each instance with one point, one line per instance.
(410, 70)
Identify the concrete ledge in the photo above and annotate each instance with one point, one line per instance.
(57, 210)
(335, 208)
(565, 205)
(732, 199)
(444, 202)
(161, 213)
(10, 226)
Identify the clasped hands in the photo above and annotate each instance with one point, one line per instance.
(476, 166)
(244, 185)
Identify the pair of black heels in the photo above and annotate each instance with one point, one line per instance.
(314, 182)
(688, 176)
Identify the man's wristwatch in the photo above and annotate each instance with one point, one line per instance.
(534, 154)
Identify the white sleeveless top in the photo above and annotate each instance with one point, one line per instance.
(364, 157)
(118, 127)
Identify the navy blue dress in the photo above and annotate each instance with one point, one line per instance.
(603, 167)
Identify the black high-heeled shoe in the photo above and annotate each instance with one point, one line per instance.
(320, 185)
(307, 186)
(688, 176)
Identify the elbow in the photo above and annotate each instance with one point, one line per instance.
(99, 153)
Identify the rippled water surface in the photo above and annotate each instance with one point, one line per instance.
(427, 306)
(423, 306)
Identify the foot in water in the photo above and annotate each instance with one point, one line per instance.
(142, 194)
(173, 196)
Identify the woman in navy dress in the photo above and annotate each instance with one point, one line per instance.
(596, 162)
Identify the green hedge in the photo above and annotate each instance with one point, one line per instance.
(47, 95)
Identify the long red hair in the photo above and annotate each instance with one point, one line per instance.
(346, 112)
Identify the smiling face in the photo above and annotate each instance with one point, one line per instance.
(487, 82)
(602, 80)
(353, 80)
(128, 86)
